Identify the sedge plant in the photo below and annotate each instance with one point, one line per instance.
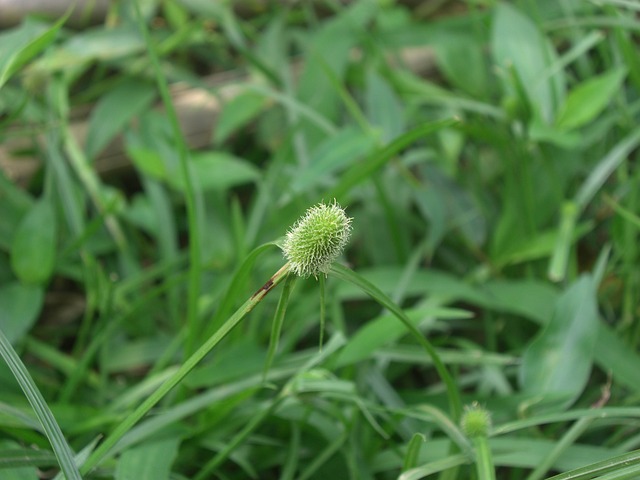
(475, 423)
(311, 247)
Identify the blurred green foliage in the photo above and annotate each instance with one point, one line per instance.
(488, 153)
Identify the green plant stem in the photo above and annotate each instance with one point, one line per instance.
(323, 315)
(103, 450)
(61, 449)
(374, 292)
(484, 461)
(560, 447)
(222, 455)
(278, 321)
(195, 268)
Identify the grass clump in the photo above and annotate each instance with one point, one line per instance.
(488, 158)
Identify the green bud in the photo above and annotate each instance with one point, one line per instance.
(476, 421)
(317, 239)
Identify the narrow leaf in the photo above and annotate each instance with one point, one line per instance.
(413, 451)
(363, 170)
(587, 100)
(237, 113)
(376, 294)
(19, 46)
(43, 412)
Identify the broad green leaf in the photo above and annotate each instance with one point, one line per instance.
(114, 110)
(586, 101)
(556, 365)
(149, 161)
(386, 329)
(614, 355)
(431, 282)
(20, 45)
(14, 205)
(517, 43)
(461, 61)
(20, 306)
(531, 299)
(237, 113)
(34, 245)
(149, 461)
(217, 171)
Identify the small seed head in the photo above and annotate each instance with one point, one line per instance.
(476, 421)
(317, 239)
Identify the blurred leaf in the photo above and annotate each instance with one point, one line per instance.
(149, 461)
(605, 168)
(449, 206)
(363, 170)
(335, 153)
(538, 246)
(613, 354)
(99, 43)
(149, 162)
(557, 363)
(237, 113)
(460, 55)
(14, 205)
(565, 238)
(621, 467)
(20, 45)
(217, 171)
(15, 457)
(20, 306)
(432, 282)
(330, 47)
(386, 329)
(34, 244)
(114, 110)
(531, 299)
(413, 451)
(588, 99)
(516, 42)
(543, 132)
(385, 110)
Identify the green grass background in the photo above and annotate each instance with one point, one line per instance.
(494, 256)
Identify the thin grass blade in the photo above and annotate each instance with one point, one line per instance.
(60, 446)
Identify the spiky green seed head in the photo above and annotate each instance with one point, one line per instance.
(317, 239)
(476, 421)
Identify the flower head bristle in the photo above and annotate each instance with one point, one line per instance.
(475, 421)
(317, 239)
